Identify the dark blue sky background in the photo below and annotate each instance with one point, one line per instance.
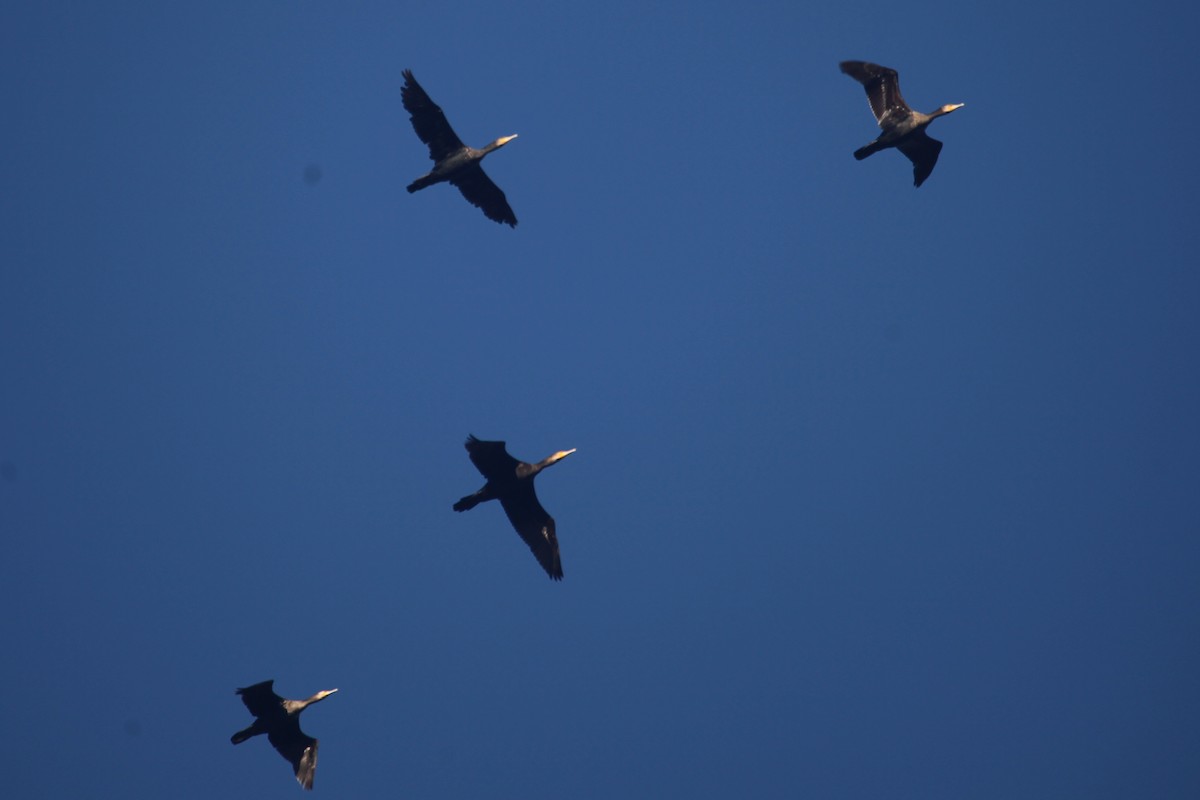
(879, 492)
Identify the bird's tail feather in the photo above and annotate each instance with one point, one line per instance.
(420, 183)
(242, 736)
(467, 503)
(859, 154)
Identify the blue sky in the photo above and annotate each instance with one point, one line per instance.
(879, 492)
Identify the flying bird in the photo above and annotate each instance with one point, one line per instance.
(903, 128)
(453, 161)
(279, 719)
(511, 482)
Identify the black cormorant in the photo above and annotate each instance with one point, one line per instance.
(903, 128)
(511, 482)
(279, 719)
(453, 161)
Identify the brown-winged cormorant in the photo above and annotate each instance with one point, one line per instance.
(279, 719)
(453, 161)
(903, 128)
(511, 482)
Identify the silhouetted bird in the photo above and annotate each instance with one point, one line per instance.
(453, 161)
(903, 128)
(511, 482)
(279, 719)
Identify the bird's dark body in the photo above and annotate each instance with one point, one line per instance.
(896, 128)
(445, 169)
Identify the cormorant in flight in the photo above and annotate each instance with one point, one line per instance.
(279, 719)
(511, 482)
(453, 161)
(903, 128)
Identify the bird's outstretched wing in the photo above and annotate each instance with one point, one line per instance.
(479, 190)
(882, 85)
(535, 526)
(260, 699)
(299, 749)
(922, 150)
(491, 458)
(428, 120)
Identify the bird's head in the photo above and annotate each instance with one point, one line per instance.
(559, 456)
(951, 107)
(323, 694)
(503, 140)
